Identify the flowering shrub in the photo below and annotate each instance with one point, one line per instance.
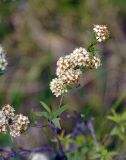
(82, 142)
(70, 68)
(15, 123)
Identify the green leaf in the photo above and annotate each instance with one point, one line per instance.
(112, 118)
(92, 49)
(92, 34)
(56, 122)
(46, 107)
(70, 87)
(33, 118)
(115, 131)
(60, 111)
(44, 114)
(119, 100)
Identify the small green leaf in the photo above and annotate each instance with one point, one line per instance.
(44, 114)
(33, 118)
(93, 35)
(119, 100)
(60, 111)
(97, 50)
(70, 87)
(94, 49)
(115, 131)
(112, 118)
(45, 107)
(56, 122)
(90, 49)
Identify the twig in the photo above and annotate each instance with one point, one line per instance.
(91, 128)
(39, 125)
(62, 152)
(61, 100)
(53, 128)
(22, 152)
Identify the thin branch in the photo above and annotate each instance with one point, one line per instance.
(62, 152)
(91, 128)
(61, 100)
(22, 152)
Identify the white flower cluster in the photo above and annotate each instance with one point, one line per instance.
(71, 76)
(58, 87)
(15, 123)
(63, 64)
(102, 32)
(3, 61)
(20, 124)
(80, 57)
(68, 69)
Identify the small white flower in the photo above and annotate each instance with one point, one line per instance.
(99, 40)
(102, 32)
(58, 87)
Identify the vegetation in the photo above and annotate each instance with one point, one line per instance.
(87, 121)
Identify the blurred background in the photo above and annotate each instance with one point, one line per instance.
(35, 33)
